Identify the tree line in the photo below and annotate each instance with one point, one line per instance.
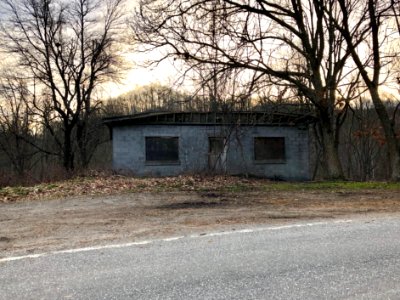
(330, 52)
(338, 57)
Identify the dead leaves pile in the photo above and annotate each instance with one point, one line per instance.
(106, 185)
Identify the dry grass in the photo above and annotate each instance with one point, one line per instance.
(104, 184)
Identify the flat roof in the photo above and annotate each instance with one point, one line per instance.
(245, 118)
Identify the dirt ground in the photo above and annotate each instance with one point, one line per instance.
(45, 225)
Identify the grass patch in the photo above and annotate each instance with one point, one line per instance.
(20, 191)
(14, 192)
(237, 188)
(330, 185)
(51, 186)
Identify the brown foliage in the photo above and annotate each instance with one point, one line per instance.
(103, 184)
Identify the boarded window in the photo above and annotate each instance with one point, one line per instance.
(269, 148)
(162, 149)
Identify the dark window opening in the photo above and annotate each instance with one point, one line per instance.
(216, 145)
(269, 148)
(162, 149)
(217, 154)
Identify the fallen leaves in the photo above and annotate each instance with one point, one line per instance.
(105, 185)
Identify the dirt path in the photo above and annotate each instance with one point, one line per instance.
(46, 225)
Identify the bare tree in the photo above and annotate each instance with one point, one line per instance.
(285, 43)
(365, 27)
(363, 146)
(68, 48)
(152, 97)
(16, 134)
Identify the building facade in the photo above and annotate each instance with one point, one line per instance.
(274, 146)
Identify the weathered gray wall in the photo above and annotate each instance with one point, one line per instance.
(129, 150)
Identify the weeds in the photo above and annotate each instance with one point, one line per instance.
(111, 184)
(237, 188)
(331, 185)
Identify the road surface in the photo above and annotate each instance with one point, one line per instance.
(357, 259)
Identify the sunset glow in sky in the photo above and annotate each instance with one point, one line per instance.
(138, 75)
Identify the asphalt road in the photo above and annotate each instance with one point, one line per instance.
(347, 260)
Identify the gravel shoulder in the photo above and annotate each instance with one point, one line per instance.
(28, 227)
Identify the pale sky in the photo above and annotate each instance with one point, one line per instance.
(165, 74)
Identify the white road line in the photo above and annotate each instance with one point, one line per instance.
(174, 238)
(101, 247)
(23, 257)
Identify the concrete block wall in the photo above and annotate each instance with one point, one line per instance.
(129, 150)
(295, 166)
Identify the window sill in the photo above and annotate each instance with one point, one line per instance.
(162, 163)
(269, 161)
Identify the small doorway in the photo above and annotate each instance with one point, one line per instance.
(217, 155)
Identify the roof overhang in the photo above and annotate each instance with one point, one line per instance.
(213, 118)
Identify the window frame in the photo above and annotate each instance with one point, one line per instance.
(160, 161)
(280, 160)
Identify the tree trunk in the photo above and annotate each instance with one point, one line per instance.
(330, 153)
(81, 138)
(393, 145)
(394, 156)
(68, 155)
